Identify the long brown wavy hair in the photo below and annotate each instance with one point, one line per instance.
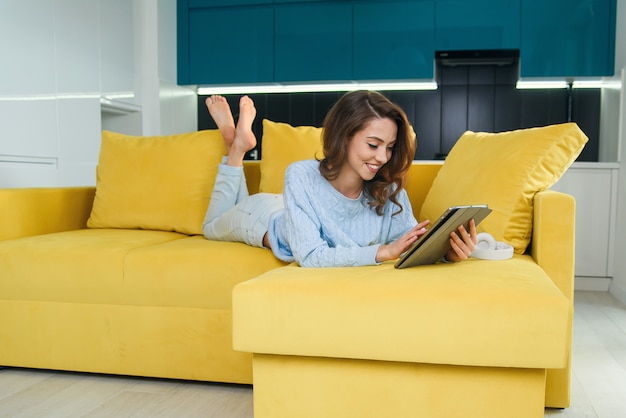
(352, 113)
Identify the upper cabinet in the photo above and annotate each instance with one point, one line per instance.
(477, 24)
(393, 40)
(565, 38)
(222, 45)
(313, 41)
(264, 41)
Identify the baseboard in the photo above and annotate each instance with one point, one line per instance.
(592, 284)
(619, 292)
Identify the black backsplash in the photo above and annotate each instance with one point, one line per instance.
(477, 98)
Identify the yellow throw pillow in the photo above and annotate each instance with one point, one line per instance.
(159, 182)
(504, 170)
(282, 145)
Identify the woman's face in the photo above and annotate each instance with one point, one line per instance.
(370, 148)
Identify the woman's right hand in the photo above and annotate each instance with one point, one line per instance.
(398, 247)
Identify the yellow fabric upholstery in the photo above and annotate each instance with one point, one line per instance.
(148, 303)
(183, 276)
(468, 317)
(553, 235)
(127, 266)
(282, 144)
(552, 249)
(95, 255)
(162, 183)
(420, 178)
(157, 341)
(504, 170)
(312, 387)
(252, 171)
(35, 211)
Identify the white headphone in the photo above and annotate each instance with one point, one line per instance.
(488, 249)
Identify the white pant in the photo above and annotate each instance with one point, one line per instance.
(233, 215)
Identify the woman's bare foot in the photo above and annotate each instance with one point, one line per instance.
(221, 114)
(244, 137)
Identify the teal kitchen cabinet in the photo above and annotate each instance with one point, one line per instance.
(477, 24)
(393, 40)
(220, 3)
(222, 45)
(313, 41)
(257, 41)
(567, 38)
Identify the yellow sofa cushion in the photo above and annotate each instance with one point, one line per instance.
(442, 314)
(194, 272)
(159, 182)
(504, 170)
(128, 267)
(81, 266)
(281, 145)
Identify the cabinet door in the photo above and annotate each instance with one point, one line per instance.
(229, 45)
(477, 24)
(393, 40)
(594, 191)
(313, 42)
(564, 38)
(216, 3)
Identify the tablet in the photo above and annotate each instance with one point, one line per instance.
(435, 243)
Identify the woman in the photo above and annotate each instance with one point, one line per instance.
(348, 209)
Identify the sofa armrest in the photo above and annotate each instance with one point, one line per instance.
(34, 211)
(553, 249)
(553, 242)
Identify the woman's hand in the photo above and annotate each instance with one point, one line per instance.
(396, 248)
(462, 242)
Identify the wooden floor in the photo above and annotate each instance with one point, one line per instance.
(598, 358)
(598, 381)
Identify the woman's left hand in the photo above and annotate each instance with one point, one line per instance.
(462, 242)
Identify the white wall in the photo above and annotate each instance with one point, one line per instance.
(618, 285)
(179, 108)
(60, 58)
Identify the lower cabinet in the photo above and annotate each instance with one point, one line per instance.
(594, 186)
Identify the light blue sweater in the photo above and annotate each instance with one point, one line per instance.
(320, 227)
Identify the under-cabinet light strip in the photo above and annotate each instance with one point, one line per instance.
(308, 88)
(563, 84)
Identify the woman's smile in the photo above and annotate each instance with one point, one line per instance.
(373, 167)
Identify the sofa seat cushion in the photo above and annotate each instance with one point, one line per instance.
(127, 267)
(194, 272)
(440, 314)
(75, 266)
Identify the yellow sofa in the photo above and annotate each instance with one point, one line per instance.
(85, 286)
(120, 301)
(472, 339)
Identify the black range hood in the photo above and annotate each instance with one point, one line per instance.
(477, 57)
